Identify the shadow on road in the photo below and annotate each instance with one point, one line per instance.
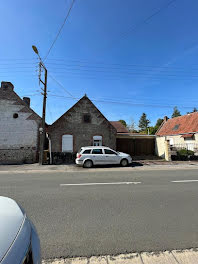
(133, 164)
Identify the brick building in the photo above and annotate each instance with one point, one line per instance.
(82, 125)
(19, 128)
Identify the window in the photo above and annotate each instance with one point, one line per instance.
(97, 141)
(171, 141)
(110, 152)
(97, 151)
(15, 115)
(67, 143)
(87, 118)
(176, 127)
(87, 151)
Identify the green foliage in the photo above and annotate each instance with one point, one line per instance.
(185, 152)
(176, 112)
(143, 122)
(123, 122)
(154, 129)
(193, 111)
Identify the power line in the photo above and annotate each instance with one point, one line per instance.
(66, 17)
(133, 28)
(127, 103)
(61, 86)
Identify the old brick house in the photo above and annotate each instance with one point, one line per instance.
(82, 125)
(19, 128)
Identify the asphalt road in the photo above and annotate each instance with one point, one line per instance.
(151, 214)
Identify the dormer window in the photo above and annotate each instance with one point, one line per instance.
(176, 127)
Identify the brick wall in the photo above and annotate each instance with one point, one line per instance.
(72, 123)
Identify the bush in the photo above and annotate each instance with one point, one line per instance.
(185, 152)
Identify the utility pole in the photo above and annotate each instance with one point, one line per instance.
(42, 128)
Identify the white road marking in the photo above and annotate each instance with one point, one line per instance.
(183, 181)
(97, 183)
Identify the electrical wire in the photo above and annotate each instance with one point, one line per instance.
(133, 28)
(127, 103)
(53, 78)
(57, 35)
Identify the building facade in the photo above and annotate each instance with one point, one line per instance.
(179, 132)
(82, 125)
(19, 128)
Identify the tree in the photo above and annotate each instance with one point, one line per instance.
(176, 112)
(132, 127)
(123, 122)
(143, 123)
(154, 129)
(193, 111)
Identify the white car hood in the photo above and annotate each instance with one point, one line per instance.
(11, 219)
(122, 154)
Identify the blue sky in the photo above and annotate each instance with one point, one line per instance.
(106, 50)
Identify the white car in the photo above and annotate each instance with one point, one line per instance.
(19, 242)
(89, 156)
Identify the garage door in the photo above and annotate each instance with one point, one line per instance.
(67, 143)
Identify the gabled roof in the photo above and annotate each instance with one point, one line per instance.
(179, 125)
(10, 95)
(76, 105)
(120, 128)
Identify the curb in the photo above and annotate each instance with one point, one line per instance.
(189, 256)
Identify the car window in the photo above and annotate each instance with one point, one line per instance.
(97, 151)
(110, 152)
(87, 151)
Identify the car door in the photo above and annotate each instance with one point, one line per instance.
(111, 157)
(97, 156)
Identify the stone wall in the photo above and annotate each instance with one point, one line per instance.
(18, 156)
(72, 123)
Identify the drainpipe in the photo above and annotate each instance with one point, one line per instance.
(50, 147)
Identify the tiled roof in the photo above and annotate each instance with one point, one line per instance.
(120, 128)
(180, 125)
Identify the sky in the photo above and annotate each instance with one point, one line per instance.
(128, 57)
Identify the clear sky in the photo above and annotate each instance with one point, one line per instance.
(124, 54)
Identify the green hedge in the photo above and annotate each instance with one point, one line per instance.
(185, 152)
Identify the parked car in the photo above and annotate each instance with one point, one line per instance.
(89, 156)
(19, 242)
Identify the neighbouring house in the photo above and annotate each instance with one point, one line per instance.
(135, 144)
(82, 125)
(19, 128)
(177, 133)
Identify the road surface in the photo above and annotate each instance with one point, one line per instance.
(87, 213)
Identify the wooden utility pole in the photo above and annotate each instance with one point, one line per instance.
(42, 129)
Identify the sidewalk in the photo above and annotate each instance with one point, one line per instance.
(173, 257)
(136, 165)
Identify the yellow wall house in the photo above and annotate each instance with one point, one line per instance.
(177, 133)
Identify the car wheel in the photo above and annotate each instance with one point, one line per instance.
(88, 164)
(124, 162)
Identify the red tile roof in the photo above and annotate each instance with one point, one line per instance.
(180, 125)
(120, 128)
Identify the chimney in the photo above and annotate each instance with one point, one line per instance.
(165, 118)
(7, 86)
(27, 101)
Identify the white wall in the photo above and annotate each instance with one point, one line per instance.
(160, 147)
(19, 132)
